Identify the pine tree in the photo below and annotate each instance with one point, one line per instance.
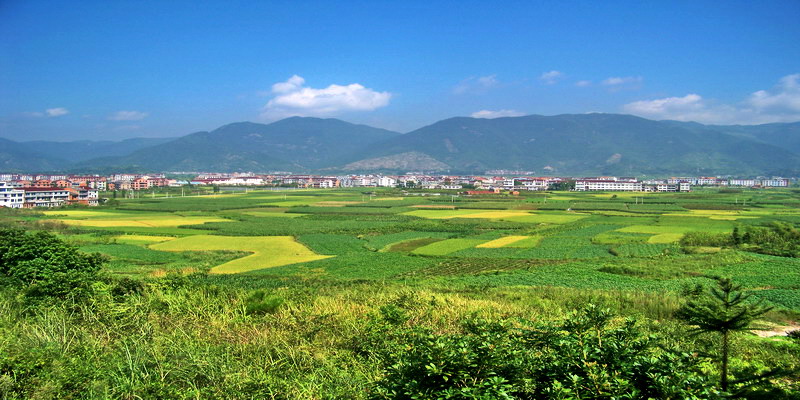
(723, 309)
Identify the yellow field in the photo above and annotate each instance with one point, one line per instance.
(268, 251)
(547, 218)
(144, 221)
(82, 213)
(142, 239)
(502, 242)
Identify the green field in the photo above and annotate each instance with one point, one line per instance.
(339, 260)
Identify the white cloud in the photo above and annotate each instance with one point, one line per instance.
(551, 77)
(781, 104)
(291, 84)
(496, 113)
(56, 112)
(617, 83)
(479, 84)
(127, 116)
(784, 100)
(616, 80)
(292, 98)
(50, 113)
(583, 83)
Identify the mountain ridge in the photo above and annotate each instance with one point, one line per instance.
(566, 144)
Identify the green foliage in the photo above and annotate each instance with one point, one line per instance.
(707, 239)
(779, 238)
(588, 355)
(723, 309)
(259, 303)
(41, 265)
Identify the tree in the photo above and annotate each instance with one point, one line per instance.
(724, 309)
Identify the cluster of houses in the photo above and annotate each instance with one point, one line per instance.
(20, 191)
(13, 196)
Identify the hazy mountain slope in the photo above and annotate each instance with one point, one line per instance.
(80, 150)
(291, 144)
(14, 157)
(582, 144)
(587, 144)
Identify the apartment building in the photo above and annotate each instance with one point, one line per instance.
(607, 185)
(11, 197)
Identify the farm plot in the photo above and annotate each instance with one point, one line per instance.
(446, 247)
(502, 242)
(505, 215)
(553, 218)
(141, 220)
(267, 252)
(142, 239)
(383, 242)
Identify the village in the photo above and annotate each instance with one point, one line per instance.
(28, 191)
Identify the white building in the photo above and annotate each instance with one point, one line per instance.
(387, 181)
(45, 197)
(778, 182)
(742, 182)
(607, 185)
(11, 197)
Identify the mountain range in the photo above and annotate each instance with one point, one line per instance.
(569, 144)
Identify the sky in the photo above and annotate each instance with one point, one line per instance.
(109, 70)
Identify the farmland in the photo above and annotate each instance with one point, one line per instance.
(314, 233)
(332, 258)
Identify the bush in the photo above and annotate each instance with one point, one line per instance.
(591, 354)
(41, 265)
(706, 239)
(258, 303)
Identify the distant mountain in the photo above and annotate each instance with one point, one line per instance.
(43, 155)
(81, 150)
(16, 157)
(296, 144)
(785, 135)
(588, 144)
(570, 144)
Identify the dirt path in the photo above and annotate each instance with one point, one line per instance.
(777, 330)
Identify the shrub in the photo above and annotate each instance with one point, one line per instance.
(590, 354)
(258, 303)
(41, 265)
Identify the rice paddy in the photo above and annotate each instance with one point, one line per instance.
(502, 242)
(154, 221)
(268, 252)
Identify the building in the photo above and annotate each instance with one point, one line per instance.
(11, 197)
(607, 185)
(45, 197)
(387, 181)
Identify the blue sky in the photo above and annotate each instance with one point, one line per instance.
(118, 69)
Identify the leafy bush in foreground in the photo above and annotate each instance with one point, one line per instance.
(588, 355)
(42, 265)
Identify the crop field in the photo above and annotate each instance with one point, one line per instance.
(568, 239)
(300, 281)
(267, 252)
